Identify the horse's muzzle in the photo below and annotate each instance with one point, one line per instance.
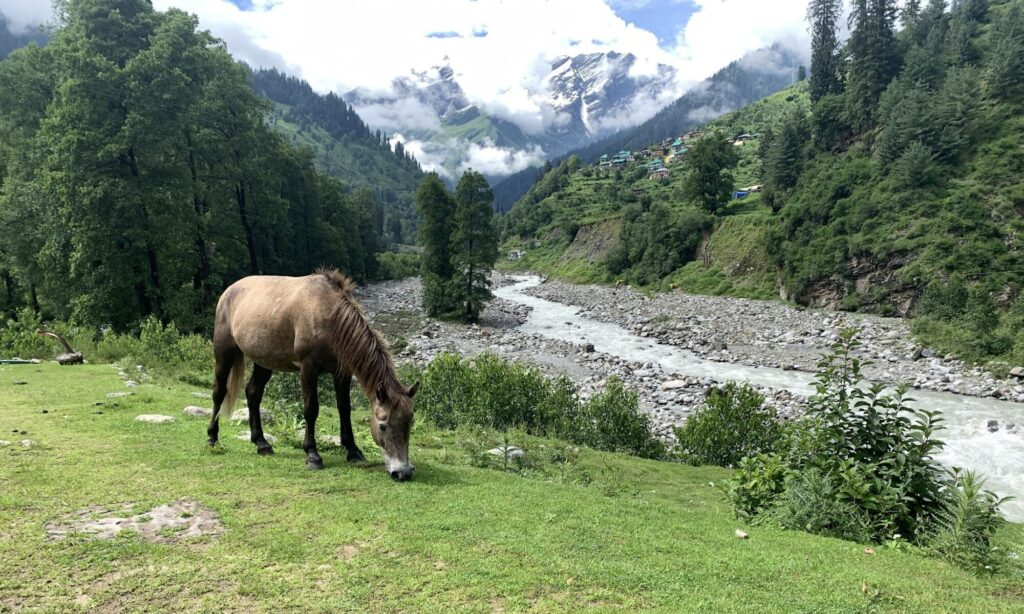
(401, 475)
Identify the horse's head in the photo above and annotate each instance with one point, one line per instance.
(390, 423)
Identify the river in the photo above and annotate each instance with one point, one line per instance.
(998, 456)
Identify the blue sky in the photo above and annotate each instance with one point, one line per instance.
(663, 18)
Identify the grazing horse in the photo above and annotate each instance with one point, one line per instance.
(311, 325)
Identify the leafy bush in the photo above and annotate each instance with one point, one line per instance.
(498, 394)
(860, 466)
(734, 423)
(18, 337)
(965, 526)
(397, 266)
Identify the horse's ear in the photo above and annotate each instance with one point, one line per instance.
(414, 389)
(382, 393)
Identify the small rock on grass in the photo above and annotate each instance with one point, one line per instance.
(741, 534)
(117, 395)
(131, 384)
(4, 443)
(509, 452)
(246, 436)
(199, 412)
(201, 395)
(154, 418)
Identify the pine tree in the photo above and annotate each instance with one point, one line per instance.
(824, 18)
(474, 244)
(436, 208)
(784, 160)
(1006, 59)
(874, 59)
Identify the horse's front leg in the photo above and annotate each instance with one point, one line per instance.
(342, 390)
(308, 375)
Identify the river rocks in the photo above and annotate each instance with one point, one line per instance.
(993, 426)
(198, 412)
(154, 418)
(673, 384)
(770, 334)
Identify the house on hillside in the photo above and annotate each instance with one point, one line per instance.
(654, 165)
(645, 152)
(604, 161)
(516, 254)
(740, 194)
(660, 174)
(754, 189)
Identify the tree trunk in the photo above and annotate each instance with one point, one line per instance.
(201, 278)
(250, 240)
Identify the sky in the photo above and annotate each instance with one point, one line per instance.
(500, 50)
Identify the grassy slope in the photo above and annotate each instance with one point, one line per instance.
(646, 535)
(740, 266)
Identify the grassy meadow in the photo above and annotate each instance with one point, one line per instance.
(609, 532)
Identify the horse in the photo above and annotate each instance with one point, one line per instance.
(312, 325)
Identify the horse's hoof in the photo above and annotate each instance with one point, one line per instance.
(211, 443)
(356, 456)
(315, 464)
(266, 450)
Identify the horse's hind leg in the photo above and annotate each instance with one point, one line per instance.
(342, 389)
(254, 395)
(308, 374)
(225, 361)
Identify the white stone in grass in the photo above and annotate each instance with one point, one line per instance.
(4, 443)
(27, 443)
(118, 395)
(246, 436)
(154, 418)
(242, 415)
(198, 412)
(201, 395)
(507, 452)
(132, 384)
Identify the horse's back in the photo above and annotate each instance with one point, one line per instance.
(274, 320)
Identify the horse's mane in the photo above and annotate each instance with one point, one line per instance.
(360, 349)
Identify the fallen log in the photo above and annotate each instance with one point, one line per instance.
(70, 356)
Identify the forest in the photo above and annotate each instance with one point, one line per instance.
(140, 175)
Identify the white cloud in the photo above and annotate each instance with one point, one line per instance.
(491, 160)
(723, 30)
(22, 14)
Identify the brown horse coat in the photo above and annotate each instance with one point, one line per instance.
(313, 325)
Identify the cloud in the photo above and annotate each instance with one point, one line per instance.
(24, 14)
(722, 31)
(491, 160)
(407, 113)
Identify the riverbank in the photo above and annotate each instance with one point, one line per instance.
(772, 334)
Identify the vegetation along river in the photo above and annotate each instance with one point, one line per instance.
(998, 456)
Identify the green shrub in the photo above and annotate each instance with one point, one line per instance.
(18, 338)
(397, 266)
(964, 528)
(734, 423)
(498, 394)
(860, 466)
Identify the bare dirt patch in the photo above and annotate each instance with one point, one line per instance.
(177, 521)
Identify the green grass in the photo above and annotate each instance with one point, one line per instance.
(643, 536)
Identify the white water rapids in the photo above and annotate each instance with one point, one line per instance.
(998, 456)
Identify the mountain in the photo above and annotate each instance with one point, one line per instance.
(9, 41)
(582, 97)
(343, 146)
(754, 76)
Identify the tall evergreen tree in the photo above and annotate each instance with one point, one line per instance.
(436, 208)
(823, 16)
(474, 243)
(874, 59)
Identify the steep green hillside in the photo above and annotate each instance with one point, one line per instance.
(574, 198)
(904, 200)
(344, 147)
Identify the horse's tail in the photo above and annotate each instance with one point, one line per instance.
(235, 379)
